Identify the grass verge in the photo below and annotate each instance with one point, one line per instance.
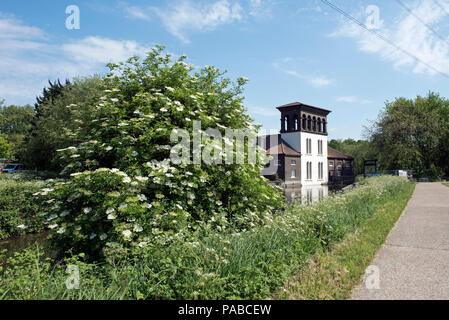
(446, 184)
(333, 274)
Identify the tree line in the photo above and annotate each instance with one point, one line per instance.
(409, 134)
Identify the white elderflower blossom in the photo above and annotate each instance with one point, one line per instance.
(141, 179)
(137, 228)
(127, 234)
(87, 210)
(111, 216)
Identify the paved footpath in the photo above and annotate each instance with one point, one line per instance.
(414, 260)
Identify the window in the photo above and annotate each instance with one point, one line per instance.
(308, 146)
(278, 163)
(320, 171)
(309, 170)
(320, 147)
(293, 162)
(293, 174)
(331, 163)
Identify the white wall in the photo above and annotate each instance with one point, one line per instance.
(315, 158)
(297, 140)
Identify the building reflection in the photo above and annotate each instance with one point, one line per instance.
(305, 194)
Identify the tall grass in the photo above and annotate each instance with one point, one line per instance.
(247, 265)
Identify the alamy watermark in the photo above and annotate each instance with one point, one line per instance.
(236, 146)
(373, 17)
(73, 280)
(372, 278)
(73, 20)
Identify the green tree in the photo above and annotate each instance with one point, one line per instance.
(58, 112)
(5, 148)
(413, 134)
(15, 122)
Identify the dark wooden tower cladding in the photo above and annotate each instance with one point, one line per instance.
(297, 116)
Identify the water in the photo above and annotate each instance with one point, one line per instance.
(305, 194)
(21, 242)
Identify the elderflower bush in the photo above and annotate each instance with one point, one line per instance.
(124, 191)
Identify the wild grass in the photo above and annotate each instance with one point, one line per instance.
(252, 264)
(333, 274)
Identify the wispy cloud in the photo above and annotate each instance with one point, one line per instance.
(28, 58)
(408, 33)
(12, 28)
(352, 99)
(187, 16)
(137, 13)
(263, 111)
(260, 8)
(290, 66)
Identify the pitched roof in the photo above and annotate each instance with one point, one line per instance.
(335, 154)
(281, 148)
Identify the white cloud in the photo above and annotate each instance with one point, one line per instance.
(189, 16)
(290, 66)
(263, 111)
(316, 81)
(137, 13)
(352, 99)
(320, 81)
(98, 50)
(12, 28)
(26, 65)
(260, 8)
(408, 33)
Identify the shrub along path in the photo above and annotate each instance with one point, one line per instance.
(414, 261)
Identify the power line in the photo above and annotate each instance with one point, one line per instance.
(442, 8)
(422, 21)
(380, 36)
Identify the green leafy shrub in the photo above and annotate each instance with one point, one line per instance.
(123, 187)
(19, 209)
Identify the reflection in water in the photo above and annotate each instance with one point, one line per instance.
(305, 194)
(21, 242)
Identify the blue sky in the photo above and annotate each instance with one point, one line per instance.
(298, 50)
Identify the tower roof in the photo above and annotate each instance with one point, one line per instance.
(304, 106)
